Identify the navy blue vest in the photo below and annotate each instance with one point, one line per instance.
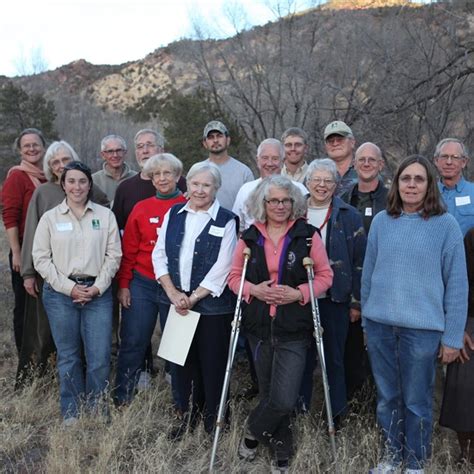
(206, 251)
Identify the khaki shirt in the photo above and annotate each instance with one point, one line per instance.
(299, 175)
(64, 246)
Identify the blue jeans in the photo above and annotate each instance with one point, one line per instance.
(73, 325)
(403, 362)
(136, 330)
(279, 367)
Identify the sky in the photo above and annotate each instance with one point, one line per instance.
(38, 33)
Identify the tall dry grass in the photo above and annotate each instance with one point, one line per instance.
(134, 440)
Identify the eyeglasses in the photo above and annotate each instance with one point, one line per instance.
(407, 179)
(454, 158)
(371, 161)
(142, 146)
(325, 181)
(287, 202)
(118, 151)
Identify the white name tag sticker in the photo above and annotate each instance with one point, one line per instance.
(368, 211)
(463, 200)
(63, 226)
(154, 220)
(217, 231)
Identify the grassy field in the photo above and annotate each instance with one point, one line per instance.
(32, 439)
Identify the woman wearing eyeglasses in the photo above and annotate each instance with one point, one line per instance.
(414, 306)
(277, 318)
(17, 190)
(343, 234)
(76, 249)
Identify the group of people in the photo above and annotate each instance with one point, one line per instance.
(389, 264)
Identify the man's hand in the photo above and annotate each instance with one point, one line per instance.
(31, 286)
(447, 354)
(124, 297)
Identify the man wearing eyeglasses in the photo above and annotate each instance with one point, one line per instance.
(369, 194)
(450, 158)
(339, 143)
(113, 150)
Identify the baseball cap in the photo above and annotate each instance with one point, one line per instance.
(338, 128)
(215, 126)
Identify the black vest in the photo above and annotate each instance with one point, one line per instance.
(292, 321)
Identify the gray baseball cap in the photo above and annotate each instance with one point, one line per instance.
(215, 126)
(338, 128)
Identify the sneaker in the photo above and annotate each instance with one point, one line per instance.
(168, 378)
(244, 452)
(144, 382)
(69, 422)
(280, 466)
(383, 468)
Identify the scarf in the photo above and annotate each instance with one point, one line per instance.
(34, 173)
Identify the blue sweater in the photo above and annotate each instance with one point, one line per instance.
(414, 275)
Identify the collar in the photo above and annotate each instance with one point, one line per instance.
(301, 170)
(64, 208)
(212, 211)
(459, 186)
(125, 170)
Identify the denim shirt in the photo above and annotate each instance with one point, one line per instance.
(346, 242)
(460, 202)
(206, 251)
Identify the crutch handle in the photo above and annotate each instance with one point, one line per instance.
(308, 262)
(246, 253)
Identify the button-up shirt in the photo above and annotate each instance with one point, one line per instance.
(215, 280)
(298, 175)
(460, 202)
(65, 245)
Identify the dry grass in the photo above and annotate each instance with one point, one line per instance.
(32, 439)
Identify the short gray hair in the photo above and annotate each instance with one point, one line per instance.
(255, 202)
(322, 164)
(272, 142)
(51, 153)
(158, 137)
(203, 166)
(106, 139)
(443, 142)
(155, 162)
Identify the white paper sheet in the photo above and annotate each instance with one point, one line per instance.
(178, 336)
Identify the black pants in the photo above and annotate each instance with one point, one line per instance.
(205, 366)
(19, 308)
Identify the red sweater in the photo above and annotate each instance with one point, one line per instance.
(140, 235)
(16, 194)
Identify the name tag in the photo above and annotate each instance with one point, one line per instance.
(63, 226)
(368, 211)
(463, 200)
(154, 220)
(217, 231)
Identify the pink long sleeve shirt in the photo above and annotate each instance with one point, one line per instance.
(322, 270)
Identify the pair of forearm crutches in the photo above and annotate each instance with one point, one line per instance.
(308, 264)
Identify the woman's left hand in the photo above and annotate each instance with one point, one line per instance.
(447, 354)
(286, 294)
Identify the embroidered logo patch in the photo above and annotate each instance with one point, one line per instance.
(96, 224)
(290, 263)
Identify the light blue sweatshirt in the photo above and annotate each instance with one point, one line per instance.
(414, 275)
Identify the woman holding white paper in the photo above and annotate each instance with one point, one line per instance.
(192, 260)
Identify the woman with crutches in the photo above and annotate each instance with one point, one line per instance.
(277, 318)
